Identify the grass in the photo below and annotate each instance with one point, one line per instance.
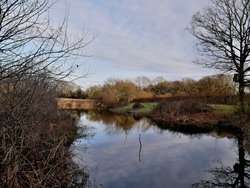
(224, 108)
(148, 107)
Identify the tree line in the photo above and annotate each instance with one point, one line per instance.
(118, 91)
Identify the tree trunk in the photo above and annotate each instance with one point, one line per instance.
(242, 162)
(242, 98)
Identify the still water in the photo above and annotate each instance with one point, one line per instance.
(126, 153)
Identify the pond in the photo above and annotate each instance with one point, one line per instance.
(127, 153)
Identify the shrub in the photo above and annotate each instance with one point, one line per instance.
(182, 112)
(137, 105)
(182, 107)
(109, 100)
(34, 136)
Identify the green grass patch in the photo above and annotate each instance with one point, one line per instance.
(147, 107)
(227, 108)
(223, 107)
(125, 108)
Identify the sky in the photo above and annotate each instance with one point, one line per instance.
(134, 38)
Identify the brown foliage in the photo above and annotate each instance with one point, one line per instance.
(108, 99)
(34, 136)
(212, 99)
(209, 85)
(183, 112)
(183, 107)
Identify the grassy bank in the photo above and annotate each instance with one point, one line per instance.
(185, 114)
(227, 109)
(145, 109)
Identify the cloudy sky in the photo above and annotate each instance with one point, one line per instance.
(134, 38)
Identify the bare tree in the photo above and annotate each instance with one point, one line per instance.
(34, 134)
(223, 33)
(158, 79)
(142, 81)
(30, 42)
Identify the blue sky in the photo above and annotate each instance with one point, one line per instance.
(134, 38)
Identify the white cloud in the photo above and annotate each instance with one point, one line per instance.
(143, 35)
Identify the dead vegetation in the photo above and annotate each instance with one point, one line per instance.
(34, 136)
(186, 112)
(35, 54)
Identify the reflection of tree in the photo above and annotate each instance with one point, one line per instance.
(225, 176)
(77, 113)
(115, 124)
(140, 147)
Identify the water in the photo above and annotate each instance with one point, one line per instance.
(128, 153)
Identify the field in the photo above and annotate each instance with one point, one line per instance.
(77, 104)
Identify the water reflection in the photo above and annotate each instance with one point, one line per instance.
(137, 153)
(237, 175)
(115, 124)
(140, 147)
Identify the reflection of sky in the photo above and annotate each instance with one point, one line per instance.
(167, 159)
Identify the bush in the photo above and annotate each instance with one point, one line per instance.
(35, 135)
(109, 100)
(137, 105)
(182, 107)
(224, 99)
(186, 112)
